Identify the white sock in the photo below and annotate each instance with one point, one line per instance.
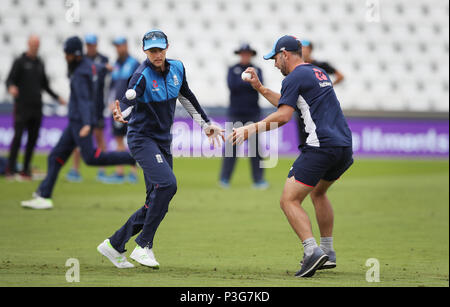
(309, 245)
(326, 244)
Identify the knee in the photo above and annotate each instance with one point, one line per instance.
(285, 204)
(317, 195)
(90, 158)
(171, 186)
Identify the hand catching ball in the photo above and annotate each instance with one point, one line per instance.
(246, 76)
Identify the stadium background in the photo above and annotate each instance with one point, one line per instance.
(395, 57)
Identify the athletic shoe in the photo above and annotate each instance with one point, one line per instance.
(262, 185)
(101, 175)
(38, 203)
(331, 262)
(312, 262)
(24, 177)
(145, 257)
(224, 184)
(74, 176)
(119, 260)
(132, 178)
(114, 179)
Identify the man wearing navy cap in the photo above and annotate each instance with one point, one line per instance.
(326, 146)
(78, 133)
(154, 89)
(102, 68)
(243, 108)
(122, 70)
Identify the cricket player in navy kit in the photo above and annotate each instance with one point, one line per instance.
(152, 94)
(78, 133)
(326, 146)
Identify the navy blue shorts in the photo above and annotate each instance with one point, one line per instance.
(315, 163)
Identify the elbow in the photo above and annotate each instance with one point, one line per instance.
(284, 119)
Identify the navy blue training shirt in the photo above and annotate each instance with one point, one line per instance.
(308, 89)
(243, 97)
(156, 96)
(81, 104)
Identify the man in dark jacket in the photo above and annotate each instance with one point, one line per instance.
(25, 82)
(243, 108)
(102, 69)
(78, 133)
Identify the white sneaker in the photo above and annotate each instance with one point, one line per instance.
(38, 203)
(119, 260)
(145, 257)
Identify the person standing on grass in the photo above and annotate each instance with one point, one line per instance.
(326, 146)
(25, 83)
(243, 108)
(154, 89)
(122, 71)
(78, 132)
(102, 68)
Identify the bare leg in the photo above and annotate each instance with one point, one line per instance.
(76, 159)
(291, 200)
(322, 206)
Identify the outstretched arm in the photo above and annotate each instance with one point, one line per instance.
(136, 87)
(190, 103)
(273, 121)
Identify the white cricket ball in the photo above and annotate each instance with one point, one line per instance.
(130, 94)
(246, 76)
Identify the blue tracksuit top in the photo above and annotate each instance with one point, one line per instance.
(156, 96)
(122, 71)
(81, 104)
(243, 98)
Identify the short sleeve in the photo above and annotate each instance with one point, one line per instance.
(290, 91)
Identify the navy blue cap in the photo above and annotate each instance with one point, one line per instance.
(245, 47)
(287, 42)
(73, 45)
(154, 39)
(120, 40)
(91, 39)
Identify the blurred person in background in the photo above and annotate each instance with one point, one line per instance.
(102, 69)
(243, 108)
(78, 132)
(25, 83)
(3, 164)
(123, 69)
(307, 49)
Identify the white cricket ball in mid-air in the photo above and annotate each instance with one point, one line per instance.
(246, 76)
(130, 94)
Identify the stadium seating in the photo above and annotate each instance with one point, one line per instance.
(397, 63)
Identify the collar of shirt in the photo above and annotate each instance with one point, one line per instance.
(164, 73)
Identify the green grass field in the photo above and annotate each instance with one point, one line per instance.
(394, 210)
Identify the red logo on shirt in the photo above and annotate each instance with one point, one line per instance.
(320, 75)
(155, 84)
